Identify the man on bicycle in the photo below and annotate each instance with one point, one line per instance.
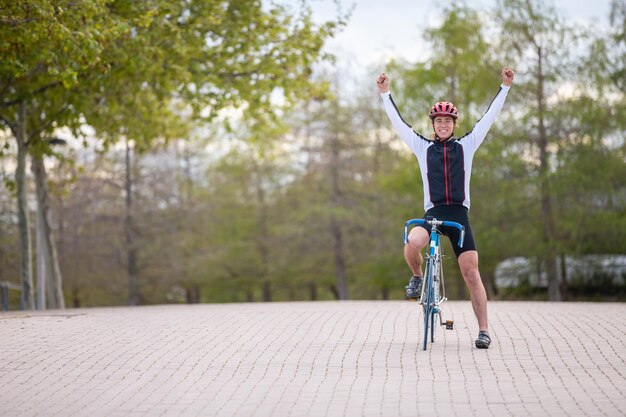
(445, 164)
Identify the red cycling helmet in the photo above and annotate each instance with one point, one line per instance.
(444, 109)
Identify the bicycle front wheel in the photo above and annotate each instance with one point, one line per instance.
(435, 308)
(429, 304)
(433, 320)
(427, 314)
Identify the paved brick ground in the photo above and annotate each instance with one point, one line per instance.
(313, 359)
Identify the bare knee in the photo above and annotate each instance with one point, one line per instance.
(468, 263)
(418, 238)
(472, 276)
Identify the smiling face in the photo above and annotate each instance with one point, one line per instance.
(444, 127)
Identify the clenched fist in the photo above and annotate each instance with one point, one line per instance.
(507, 76)
(382, 82)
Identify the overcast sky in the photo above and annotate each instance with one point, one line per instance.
(381, 29)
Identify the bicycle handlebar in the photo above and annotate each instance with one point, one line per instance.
(435, 223)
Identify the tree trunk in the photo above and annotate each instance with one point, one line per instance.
(76, 298)
(184, 224)
(564, 279)
(335, 226)
(51, 274)
(26, 267)
(379, 209)
(263, 236)
(554, 291)
(62, 244)
(42, 276)
(492, 288)
(334, 291)
(312, 291)
(134, 296)
(453, 80)
(340, 263)
(192, 294)
(384, 293)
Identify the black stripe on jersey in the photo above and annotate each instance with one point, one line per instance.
(486, 111)
(398, 111)
(403, 121)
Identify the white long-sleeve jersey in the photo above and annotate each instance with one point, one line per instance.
(446, 167)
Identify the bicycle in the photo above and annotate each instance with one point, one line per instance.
(433, 292)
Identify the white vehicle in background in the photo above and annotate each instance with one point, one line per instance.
(611, 269)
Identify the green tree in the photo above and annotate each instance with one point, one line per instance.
(593, 200)
(44, 47)
(98, 61)
(563, 129)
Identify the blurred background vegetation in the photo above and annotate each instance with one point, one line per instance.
(179, 151)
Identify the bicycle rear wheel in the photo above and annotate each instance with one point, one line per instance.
(426, 323)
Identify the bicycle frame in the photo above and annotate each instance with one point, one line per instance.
(433, 292)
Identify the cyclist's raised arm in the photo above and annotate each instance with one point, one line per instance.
(479, 132)
(404, 130)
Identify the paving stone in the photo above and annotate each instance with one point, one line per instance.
(355, 358)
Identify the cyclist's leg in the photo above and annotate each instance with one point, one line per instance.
(467, 257)
(418, 238)
(468, 263)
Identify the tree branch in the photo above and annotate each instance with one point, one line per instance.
(15, 22)
(11, 126)
(36, 92)
(6, 86)
(52, 119)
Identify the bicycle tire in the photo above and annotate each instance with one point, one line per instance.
(432, 325)
(428, 306)
(435, 312)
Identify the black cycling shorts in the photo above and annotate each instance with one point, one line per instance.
(455, 213)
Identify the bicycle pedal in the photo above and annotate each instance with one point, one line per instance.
(449, 324)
